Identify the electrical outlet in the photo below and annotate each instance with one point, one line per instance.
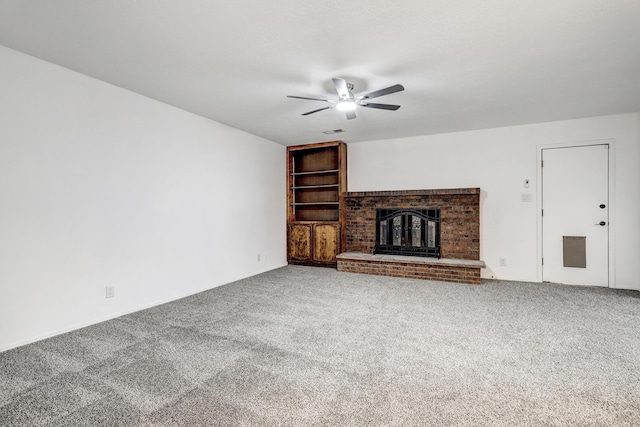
(526, 197)
(258, 257)
(110, 291)
(503, 262)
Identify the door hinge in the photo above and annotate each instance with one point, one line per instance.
(541, 212)
(541, 163)
(542, 261)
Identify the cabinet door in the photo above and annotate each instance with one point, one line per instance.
(300, 242)
(326, 238)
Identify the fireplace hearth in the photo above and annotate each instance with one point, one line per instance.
(412, 232)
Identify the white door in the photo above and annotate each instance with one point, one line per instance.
(575, 215)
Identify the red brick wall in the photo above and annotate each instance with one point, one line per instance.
(459, 218)
(443, 273)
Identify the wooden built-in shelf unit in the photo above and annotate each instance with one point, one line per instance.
(317, 183)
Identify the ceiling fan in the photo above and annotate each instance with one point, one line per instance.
(347, 102)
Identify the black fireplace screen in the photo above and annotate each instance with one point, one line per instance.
(408, 232)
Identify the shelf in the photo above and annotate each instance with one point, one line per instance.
(307, 187)
(316, 183)
(315, 172)
(313, 212)
(316, 203)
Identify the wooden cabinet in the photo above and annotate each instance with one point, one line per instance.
(326, 242)
(314, 243)
(300, 242)
(317, 183)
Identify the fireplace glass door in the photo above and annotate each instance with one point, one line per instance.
(408, 232)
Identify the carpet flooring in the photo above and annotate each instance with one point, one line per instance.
(305, 346)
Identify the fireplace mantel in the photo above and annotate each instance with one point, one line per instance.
(438, 192)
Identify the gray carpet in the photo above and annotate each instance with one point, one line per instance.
(312, 346)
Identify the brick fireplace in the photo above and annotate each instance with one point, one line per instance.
(459, 234)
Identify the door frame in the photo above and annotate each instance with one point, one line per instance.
(539, 192)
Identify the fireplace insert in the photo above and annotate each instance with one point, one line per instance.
(414, 232)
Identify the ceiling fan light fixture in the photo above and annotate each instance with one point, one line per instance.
(346, 105)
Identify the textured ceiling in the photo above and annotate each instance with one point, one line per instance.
(465, 64)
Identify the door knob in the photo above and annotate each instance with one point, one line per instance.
(602, 223)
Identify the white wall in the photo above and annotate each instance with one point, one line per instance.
(498, 161)
(100, 186)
